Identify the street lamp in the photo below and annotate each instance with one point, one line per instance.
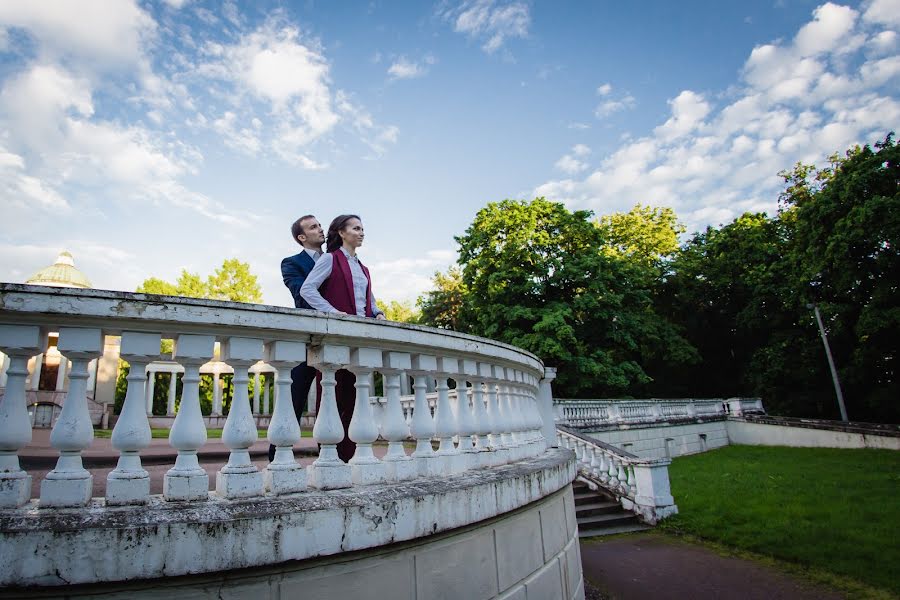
(834, 375)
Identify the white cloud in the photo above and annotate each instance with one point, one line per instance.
(404, 279)
(884, 12)
(109, 34)
(490, 20)
(604, 89)
(610, 107)
(796, 101)
(403, 68)
(571, 163)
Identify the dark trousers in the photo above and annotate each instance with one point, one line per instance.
(345, 393)
(302, 377)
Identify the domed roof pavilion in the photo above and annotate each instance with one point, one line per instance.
(62, 273)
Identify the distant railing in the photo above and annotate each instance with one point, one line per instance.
(498, 420)
(641, 485)
(587, 413)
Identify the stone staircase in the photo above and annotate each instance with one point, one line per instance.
(600, 514)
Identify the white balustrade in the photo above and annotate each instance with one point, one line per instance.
(423, 426)
(365, 467)
(20, 343)
(70, 484)
(129, 483)
(494, 413)
(284, 475)
(328, 471)
(187, 480)
(398, 466)
(240, 478)
(444, 421)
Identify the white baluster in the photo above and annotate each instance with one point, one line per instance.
(240, 478)
(129, 483)
(256, 383)
(631, 485)
(465, 417)
(364, 467)
(613, 480)
(170, 400)
(398, 466)
(465, 424)
(20, 343)
(187, 480)
(284, 475)
(603, 467)
(328, 472)
(444, 423)
(422, 428)
(595, 461)
(70, 484)
(499, 451)
(482, 424)
(150, 388)
(622, 476)
(217, 395)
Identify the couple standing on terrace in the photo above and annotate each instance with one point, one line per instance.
(334, 282)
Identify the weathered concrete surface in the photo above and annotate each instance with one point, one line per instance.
(462, 563)
(652, 565)
(39, 548)
(664, 440)
(778, 431)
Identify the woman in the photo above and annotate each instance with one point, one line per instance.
(340, 284)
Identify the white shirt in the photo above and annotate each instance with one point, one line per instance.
(322, 271)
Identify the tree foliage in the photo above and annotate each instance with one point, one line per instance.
(535, 275)
(232, 281)
(402, 312)
(621, 308)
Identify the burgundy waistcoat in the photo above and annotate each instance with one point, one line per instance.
(338, 288)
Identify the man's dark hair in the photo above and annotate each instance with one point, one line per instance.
(297, 227)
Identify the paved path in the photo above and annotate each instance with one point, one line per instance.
(655, 566)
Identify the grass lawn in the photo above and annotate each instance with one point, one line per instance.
(210, 433)
(826, 509)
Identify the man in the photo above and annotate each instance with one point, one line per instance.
(308, 232)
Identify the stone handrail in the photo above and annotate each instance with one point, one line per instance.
(499, 421)
(640, 485)
(611, 412)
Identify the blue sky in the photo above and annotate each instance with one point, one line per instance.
(147, 137)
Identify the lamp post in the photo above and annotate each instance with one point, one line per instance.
(834, 375)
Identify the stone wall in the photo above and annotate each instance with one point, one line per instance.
(665, 440)
(774, 434)
(528, 554)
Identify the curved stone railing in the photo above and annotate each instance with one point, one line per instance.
(588, 413)
(640, 485)
(497, 422)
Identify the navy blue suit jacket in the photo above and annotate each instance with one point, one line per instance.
(294, 270)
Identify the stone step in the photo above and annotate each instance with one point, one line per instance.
(611, 519)
(587, 533)
(586, 497)
(598, 507)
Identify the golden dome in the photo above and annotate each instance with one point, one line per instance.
(62, 273)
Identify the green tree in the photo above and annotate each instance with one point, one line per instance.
(645, 234)
(846, 257)
(232, 281)
(402, 312)
(442, 306)
(537, 277)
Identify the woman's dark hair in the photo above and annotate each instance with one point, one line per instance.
(334, 241)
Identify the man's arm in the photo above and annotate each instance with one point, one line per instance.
(294, 275)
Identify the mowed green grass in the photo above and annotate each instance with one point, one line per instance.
(832, 510)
